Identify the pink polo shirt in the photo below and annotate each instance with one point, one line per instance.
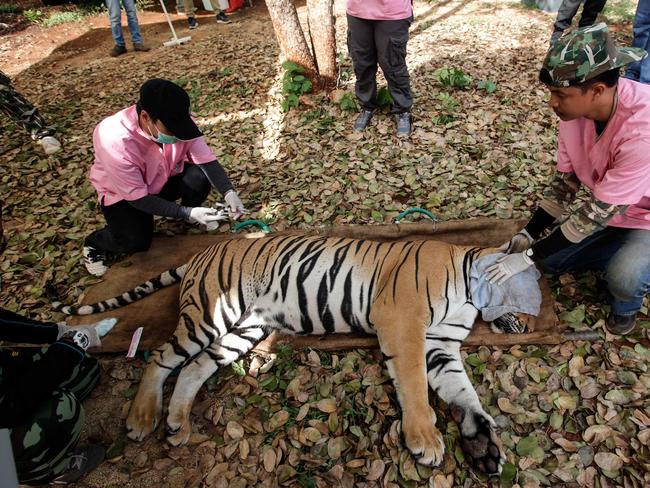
(380, 9)
(615, 165)
(128, 165)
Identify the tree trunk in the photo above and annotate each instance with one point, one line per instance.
(290, 35)
(323, 39)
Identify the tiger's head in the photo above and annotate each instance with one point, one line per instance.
(513, 323)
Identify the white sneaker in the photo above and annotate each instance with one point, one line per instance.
(50, 144)
(94, 261)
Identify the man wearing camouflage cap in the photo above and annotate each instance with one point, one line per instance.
(598, 205)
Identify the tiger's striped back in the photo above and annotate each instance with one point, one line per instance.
(320, 285)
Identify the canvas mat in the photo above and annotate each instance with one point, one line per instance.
(157, 314)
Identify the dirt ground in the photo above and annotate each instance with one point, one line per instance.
(75, 44)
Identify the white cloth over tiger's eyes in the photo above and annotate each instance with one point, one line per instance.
(519, 294)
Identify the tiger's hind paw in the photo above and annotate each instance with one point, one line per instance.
(479, 441)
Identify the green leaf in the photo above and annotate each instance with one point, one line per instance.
(238, 368)
(458, 454)
(474, 360)
(356, 430)
(508, 472)
(527, 445)
(556, 420)
(573, 317)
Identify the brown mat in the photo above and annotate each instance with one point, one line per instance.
(158, 313)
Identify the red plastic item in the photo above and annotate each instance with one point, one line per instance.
(234, 5)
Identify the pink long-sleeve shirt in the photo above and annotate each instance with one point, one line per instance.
(380, 9)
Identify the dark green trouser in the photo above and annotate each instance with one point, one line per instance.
(43, 443)
(21, 111)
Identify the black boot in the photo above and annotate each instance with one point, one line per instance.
(620, 324)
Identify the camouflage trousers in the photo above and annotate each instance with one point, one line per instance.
(43, 443)
(18, 108)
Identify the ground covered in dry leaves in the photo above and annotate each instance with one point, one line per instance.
(573, 415)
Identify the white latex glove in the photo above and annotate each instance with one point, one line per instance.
(86, 336)
(507, 266)
(517, 243)
(204, 215)
(234, 203)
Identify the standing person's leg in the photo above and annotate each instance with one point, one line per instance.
(115, 16)
(565, 14)
(188, 5)
(640, 70)
(391, 38)
(628, 280)
(221, 17)
(191, 186)
(590, 11)
(127, 230)
(219, 7)
(21, 111)
(361, 46)
(134, 27)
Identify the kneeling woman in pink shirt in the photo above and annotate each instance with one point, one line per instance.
(147, 157)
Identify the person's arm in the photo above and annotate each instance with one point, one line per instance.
(217, 176)
(16, 328)
(557, 197)
(587, 215)
(155, 205)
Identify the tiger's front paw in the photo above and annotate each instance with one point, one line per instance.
(423, 439)
(479, 441)
(178, 431)
(143, 416)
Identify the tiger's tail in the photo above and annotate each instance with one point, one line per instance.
(145, 289)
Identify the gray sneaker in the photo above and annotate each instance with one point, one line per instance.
(222, 18)
(403, 122)
(80, 463)
(363, 119)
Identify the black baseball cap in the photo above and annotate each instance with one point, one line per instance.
(169, 103)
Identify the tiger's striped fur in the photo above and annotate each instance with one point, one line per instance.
(414, 295)
(141, 291)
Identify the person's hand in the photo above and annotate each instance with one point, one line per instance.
(204, 215)
(506, 267)
(517, 243)
(234, 203)
(86, 336)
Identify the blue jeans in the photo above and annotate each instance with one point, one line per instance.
(624, 256)
(115, 16)
(640, 70)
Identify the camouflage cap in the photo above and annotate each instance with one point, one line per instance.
(585, 53)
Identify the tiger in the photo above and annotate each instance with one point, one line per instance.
(413, 295)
